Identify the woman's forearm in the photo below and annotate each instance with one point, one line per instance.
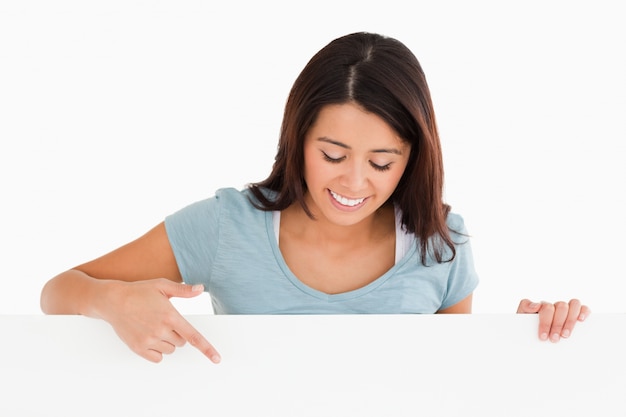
(71, 292)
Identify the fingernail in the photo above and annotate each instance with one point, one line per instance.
(582, 317)
(534, 305)
(216, 359)
(565, 333)
(555, 337)
(197, 287)
(543, 336)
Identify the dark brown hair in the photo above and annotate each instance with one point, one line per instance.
(385, 78)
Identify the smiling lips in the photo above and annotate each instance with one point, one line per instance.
(346, 201)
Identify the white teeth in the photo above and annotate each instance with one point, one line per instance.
(346, 201)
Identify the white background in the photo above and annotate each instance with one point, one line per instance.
(114, 114)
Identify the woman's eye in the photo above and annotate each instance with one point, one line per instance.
(377, 167)
(333, 160)
(380, 167)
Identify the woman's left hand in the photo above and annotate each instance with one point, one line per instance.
(556, 320)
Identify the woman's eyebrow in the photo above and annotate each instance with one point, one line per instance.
(343, 145)
(334, 142)
(390, 150)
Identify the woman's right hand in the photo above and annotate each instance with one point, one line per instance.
(120, 288)
(143, 317)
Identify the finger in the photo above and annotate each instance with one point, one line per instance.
(154, 350)
(176, 339)
(172, 337)
(166, 348)
(528, 307)
(561, 311)
(175, 289)
(572, 317)
(546, 313)
(151, 355)
(584, 313)
(195, 339)
(155, 354)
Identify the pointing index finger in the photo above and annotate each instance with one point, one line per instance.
(195, 339)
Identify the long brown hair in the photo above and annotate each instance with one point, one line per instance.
(385, 78)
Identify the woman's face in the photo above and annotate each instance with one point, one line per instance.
(353, 161)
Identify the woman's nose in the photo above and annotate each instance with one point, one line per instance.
(354, 177)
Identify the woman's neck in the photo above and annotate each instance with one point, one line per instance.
(298, 224)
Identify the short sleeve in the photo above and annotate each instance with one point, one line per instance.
(193, 233)
(462, 277)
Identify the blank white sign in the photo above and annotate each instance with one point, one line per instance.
(311, 366)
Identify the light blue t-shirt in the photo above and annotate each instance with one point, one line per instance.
(228, 245)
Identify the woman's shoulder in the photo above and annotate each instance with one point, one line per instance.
(222, 201)
(230, 193)
(226, 206)
(457, 227)
(241, 196)
(455, 221)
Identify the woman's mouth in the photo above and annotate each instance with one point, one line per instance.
(349, 202)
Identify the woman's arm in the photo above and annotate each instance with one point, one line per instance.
(130, 288)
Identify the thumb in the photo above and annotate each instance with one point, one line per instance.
(183, 290)
(528, 307)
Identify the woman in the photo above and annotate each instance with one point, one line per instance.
(350, 220)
